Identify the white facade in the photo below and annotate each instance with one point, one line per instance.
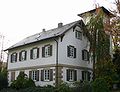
(67, 38)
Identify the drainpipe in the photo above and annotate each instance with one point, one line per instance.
(56, 70)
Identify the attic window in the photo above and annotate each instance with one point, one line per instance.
(78, 34)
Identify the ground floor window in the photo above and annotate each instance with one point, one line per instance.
(12, 76)
(34, 75)
(71, 75)
(86, 75)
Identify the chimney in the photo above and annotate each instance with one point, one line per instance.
(43, 30)
(60, 25)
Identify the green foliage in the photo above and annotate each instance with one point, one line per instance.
(3, 79)
(22, 82)
(99, 85)
(64, 87)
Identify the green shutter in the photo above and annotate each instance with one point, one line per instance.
(20, 56)
(30, 74)
(75, 75)
(37, 52)
(42, 75)
(37, 75)
(51, 74)
(68, 51)
(68, 74)
(31, 54)
(43, 51)
(74, 52)
(50, 50)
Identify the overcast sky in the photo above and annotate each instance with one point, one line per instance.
(22, 18)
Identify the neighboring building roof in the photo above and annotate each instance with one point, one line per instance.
(45, 35)
(92, 11)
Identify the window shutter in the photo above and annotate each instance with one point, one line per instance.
(11, 58)
(37, 52)
(30, 74)
(87, 55)
(76, 34)
(20, 56)
(31, 54)
(43, 51)
(83, 75)
(68, 74)
(74, 52)
(89, 76)
(42, 75)
(37, 75)
(25, 55)
(68, 51)
(82, 54)
(50, 50)
(51, 74)
(16, 57)
(75, 75)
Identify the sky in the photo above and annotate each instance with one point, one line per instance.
(22, 18)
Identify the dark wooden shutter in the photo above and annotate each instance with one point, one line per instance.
(37, 52)
(74, 52)
(30, 74)
(20, 56)
(37, 75)
(76, 34)
(83, 75)
(68, 51)
(31, 54)
(82, 54)
(25, 55)
(89, 76)
(42, 75)
(51, 74)
(50, 50)
(16, 57)
(87, 55)
(11, 58)
(68, 74)
(75, 75)
(43, 51)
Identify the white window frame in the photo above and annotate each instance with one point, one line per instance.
(13, 56)
(23, 55)
(71, 51)
(34, 53)
(71, 75)
(86, 55)
(47, 51)
(34, 76)
(78, 34)
(46, 75)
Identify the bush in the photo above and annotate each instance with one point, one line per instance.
(22, 82)
(99, 85)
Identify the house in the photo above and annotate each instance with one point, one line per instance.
(53, 56)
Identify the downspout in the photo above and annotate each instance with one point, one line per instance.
(56, 70)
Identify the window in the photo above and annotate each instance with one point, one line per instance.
(12, 76)
(86, 76)
(71, 51)
(78, 35)
(47, 75)
(34, 75)
(34, 53)
(22, 55)
(85, 55)
(71, 75)
(47, 51)
(14, 57)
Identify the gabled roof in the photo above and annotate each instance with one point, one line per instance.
(45, 35)
(92, 11)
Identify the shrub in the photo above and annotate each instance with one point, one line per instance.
(99, 85)
(22, 82)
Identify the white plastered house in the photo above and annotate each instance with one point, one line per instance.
(54, 56)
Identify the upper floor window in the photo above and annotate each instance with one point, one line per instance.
(71, 75)
(34, 53)
(85, 55)
(86, 75)
(13, 57)
(34, 75)
(71, 51)
(78, 34)
(47, 75)
(47, 51)
(22, 55)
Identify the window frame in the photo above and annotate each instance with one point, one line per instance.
(85, 55)
(14, 57)
(34, 53)
(47, 51)
(86, 75)
(71, 51)
(21, 55)
(34, 75)
(46, 74)
(78, 34)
